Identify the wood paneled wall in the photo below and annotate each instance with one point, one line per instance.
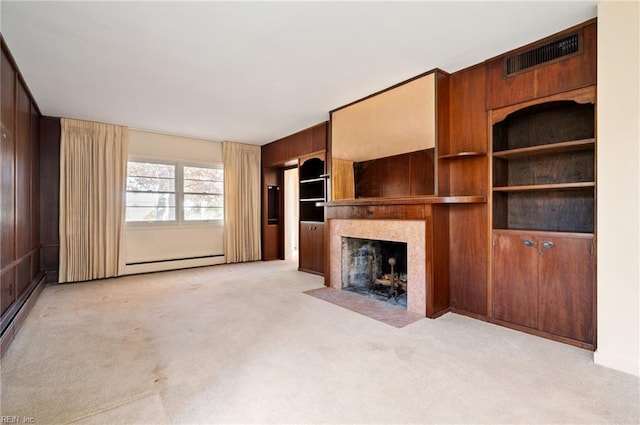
(20, 273)
(408, 174)
(468, 175)
(275, 157)
(50, 196)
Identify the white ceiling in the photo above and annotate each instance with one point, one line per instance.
(251, 71)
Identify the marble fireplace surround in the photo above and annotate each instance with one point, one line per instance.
(411, 232)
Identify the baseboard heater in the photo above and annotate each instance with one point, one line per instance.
(174, 259)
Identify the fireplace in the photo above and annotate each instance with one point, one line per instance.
(375, 268)
(411, 233)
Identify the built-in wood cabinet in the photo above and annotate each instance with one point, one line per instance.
(311, 248)
(312, 193)
(544, 216)
(545, 281)
(312, 178)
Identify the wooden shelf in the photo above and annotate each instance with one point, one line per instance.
(312, 200)
(462, 155)
(556, 186)
(552, 148)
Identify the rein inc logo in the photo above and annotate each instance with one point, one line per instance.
(17, 420)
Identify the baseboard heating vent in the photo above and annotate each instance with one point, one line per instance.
(556, 49)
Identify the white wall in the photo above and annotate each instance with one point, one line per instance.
(618, 186)
(161, 242)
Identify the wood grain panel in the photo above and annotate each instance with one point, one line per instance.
(7, 158)
(49, 186)
(35, 179)
(558, 76)
(574, 72)
(468, 257)
(7, 288)
(440, 258)
(23, 274)
(23, 172)
(567, 287)
(515, 279)
(468, 122)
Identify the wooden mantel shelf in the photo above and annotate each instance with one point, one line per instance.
(412, 200)
(405, 208)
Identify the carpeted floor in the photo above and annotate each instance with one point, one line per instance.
(244, 344)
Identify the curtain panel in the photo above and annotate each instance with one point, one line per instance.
(241, 202)
(93, 164)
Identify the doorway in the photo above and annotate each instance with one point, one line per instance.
(291, 200)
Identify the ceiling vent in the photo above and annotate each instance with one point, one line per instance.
(542, 54)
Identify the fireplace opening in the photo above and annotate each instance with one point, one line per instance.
(375, 268)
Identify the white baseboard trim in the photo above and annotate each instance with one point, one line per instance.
(618, 363)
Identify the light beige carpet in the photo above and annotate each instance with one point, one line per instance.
(244, 344)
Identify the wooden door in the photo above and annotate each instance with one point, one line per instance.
(566, 285)
(515, 278)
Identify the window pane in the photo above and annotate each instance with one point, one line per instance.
(150, 206)
(203, 186)
(201, 173)
(191, 201)
(198, 213)
(203, 207)
(151, 184)
(148, 169)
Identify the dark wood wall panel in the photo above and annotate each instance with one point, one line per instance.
(7, 158)
(49, 195)
(406, 174)
(7, 288)
(469, 258)
(35, 179)
(468, 175)
(20, 206)
(23, 173)
(294, 146)
(567, 74)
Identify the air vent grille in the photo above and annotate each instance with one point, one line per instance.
(546, 53)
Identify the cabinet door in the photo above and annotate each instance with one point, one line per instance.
(318, 247)
(566, 285)
(305, 254)
(515, 279)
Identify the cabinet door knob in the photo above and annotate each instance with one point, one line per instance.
(547, 244)
(528, 242)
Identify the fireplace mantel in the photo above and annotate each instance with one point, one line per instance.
(422, 221)
(405, 208)
(407, 200)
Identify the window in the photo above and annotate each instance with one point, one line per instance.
(157, 191)
(150, 192)
(203, 193)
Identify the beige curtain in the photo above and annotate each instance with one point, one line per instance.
(343, 184)
(93, 163)
(241, 202)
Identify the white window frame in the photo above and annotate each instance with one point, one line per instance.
(179, 220)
